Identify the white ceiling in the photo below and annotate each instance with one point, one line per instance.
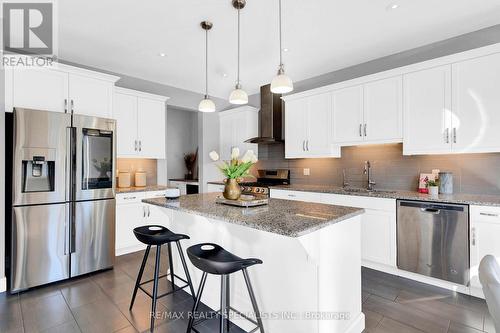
(126, 36)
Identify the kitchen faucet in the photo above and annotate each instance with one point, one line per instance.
(367, 172)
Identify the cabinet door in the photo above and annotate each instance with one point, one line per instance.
(476, 105)
(383, 110)
(90, 96)
(348, 115)
(427, 111)
(151, 128)
(156, 215)
(125, 113)
(377, 237)
(295, 128)
(483, 242)
(128, 216)
(39, 89)
(319, 125)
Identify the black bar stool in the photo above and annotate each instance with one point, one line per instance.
(158, 235)
(213, 259)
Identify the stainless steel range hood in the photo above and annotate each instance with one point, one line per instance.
(270, 118)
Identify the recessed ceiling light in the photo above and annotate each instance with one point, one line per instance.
(161, 54)
(224, 74)
(285, 50)
(392, 6)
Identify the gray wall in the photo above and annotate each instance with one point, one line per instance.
(472, 173)
(182, 138)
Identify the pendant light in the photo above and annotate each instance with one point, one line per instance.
(281, 84)
(206, 105)
(238, 95)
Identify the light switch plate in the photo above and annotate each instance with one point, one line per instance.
(307, 171)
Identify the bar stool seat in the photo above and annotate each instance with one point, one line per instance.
(156, 235)
(213, 259)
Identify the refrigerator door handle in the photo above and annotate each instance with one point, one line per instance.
(72, 228)
(66, 230)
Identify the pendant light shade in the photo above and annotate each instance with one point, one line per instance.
(281, 84)
(206, 104)
(238, 96)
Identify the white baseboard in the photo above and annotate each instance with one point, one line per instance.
(130, 249)
(3, 284)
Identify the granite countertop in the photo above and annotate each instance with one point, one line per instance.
(148, 188)
(284, 217)
(459, 198)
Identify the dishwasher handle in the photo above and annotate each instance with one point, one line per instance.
(433, 211)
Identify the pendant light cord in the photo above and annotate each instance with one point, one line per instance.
(281, 48)
(238, 77)
(206, 64)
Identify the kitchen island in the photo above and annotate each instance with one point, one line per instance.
(311, 277)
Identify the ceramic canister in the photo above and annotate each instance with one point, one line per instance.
(446, 182)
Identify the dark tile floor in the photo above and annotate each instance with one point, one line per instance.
(99, 303)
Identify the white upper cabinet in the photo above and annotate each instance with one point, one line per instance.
(383, 111)
(236, 126)
(90, 96)
(348, 115)
(61, 88)
(39, 89)
(125, 113)
(141, 124)
(427, 111)
(295, 131)
(476, 105)
(151, 129)
(308, 127)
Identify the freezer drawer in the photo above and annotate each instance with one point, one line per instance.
(433, 240)
(40, 245)
(92, 236)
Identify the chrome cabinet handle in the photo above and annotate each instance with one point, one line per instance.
(149, 212)
(307, 145)
(292, 195)
(72, 106)
(447, 135)
(360, 130)
(140, 145)
(65, 105)
(489, 214)
(135, 148)
(129, 198)
(143, 211)
(364, 130)
(303, 145)
(454, 135)
(473, 241)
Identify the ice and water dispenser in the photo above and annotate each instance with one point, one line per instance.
(38, 172)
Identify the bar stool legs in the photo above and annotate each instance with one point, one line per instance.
(196, 302)
(155, 288)
(253, 300)
(188, 277)
(139, 277)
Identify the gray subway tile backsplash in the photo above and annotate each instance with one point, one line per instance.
(472, 173)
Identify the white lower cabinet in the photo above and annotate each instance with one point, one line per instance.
(131, 212)
(484, 231)
(378, 226)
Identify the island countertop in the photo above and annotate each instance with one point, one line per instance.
(284, 217)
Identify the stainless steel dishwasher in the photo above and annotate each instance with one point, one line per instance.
(433, 239)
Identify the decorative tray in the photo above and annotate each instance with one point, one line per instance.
(243, 201)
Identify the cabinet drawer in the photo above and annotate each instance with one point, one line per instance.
(296, 195)
(126, 198)
(154, 194)
(383, 204)
(485, 214)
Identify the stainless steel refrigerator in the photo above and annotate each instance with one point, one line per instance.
(63, 198)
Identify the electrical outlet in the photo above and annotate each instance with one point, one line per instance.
(307, 172)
